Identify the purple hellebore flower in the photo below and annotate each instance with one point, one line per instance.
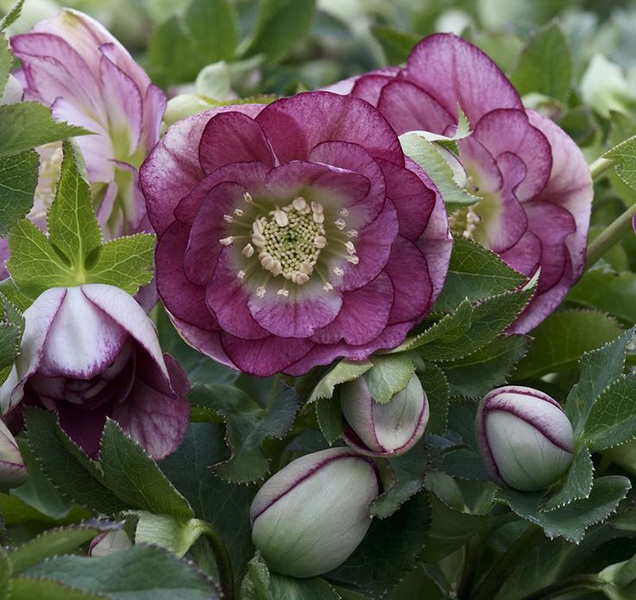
(294, 233)
(72, 64)
(534, 184)
(90, 353)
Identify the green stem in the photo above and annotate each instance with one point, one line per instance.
(599, 166)
(508, 563)
(470, 567)
(610, 236)
(555, 590)
(223, 563)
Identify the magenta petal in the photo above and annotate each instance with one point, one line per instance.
(455, 71)
(369, 87)
(232, 137)
(296, 125)
(205, 341)
(364, 314)
(84, 427)
(409, 108)
(481, 165)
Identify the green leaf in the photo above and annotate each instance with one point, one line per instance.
(429, 157)
(613, 293)
(168, 532)
(77, 476)
(545, 65)
(18, 180)
(598, 369)
(280, 25)
(135, 478)
(26, 588)
(53, 542)
(224, 505)
(490, 318)
(571, 521)
(330, 418)
(27, 124)
(213, 29)
(6, 62)
(255, 584)
(172, 57)
(475, 273)
(563, 338)
(480, 372)
(137, 573)
(248, 426)
(577, 483)
(390, 375)
(345, 370)
(73, 228)
(612, 420)
(6, 570)
(397, 45)
(12, 15)
(391, 547)
(408, 470)
(126, 262)
(437, 391)
(290, 588)
(624, 157)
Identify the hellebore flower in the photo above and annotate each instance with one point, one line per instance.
(525, 439)
(383, 429)
(109, 542)
(89, 353)
(75, 66)
(533, 182)
(309, 517)
(294, 233)
(13, 471)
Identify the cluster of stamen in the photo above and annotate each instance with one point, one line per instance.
(464, 222)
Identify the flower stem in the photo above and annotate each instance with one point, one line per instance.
(599, 166)
(610, 236)
(555, 590)
(223, 563)
(508, 563)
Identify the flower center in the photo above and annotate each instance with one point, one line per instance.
(290, 240)
(464, 222)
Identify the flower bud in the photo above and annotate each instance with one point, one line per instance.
(310, 516)
(13, 472)
(109, 542)
(383, 429)
(525, 438)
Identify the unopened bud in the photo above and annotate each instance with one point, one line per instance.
(13, 471)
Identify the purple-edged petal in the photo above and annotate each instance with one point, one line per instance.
(409, 108)
(232, 137)
(154, 107)
(455, 71)
(84, 426)
(369, 87)
(296, 125)
(480, 165)
(525, 255)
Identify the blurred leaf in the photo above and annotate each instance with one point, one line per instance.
(12, 15)
(390, 375)
(572, 520)
(6, 62)
(435, 385)
(397, 45)
(27, 124)
(26, 588)
(345, 370)
(545, 65)
(475, 273)
(624, 157)
(577, 483)
(613, 293)
(18, 180)
(172, 57)
(563, 338)
(135, 478)
(213, 29)
(255, 584)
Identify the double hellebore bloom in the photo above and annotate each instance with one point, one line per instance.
(90, 352)
(75, 66)
(310, 516)
(524, 437)
(533, 183)
(294, 233)
(383, 429)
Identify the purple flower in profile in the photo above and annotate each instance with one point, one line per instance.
(294, 233)
(534, 184)
(72, 64)
(89, 353)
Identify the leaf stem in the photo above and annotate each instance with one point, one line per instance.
(223, 562)
(508, 563)
(599, 166)
(610, 236)
(554, 590)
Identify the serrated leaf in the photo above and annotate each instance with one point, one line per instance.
(390, 375)
(435, 385)
(545, 65)
(475, 273)
(612, 420)
(563, 338)
(255, 584)
(598, 369)
(427, 156)
(571, 521)
(27, 124)
(391, 546)
(135, 478)
(168, 532)
(248, 426)
(314, 588)
(125, 262)
(478, 373)
(12, 15)
(345, 370)
(613, 293)
(397, 45)
(624, 157)
(213, 29)
(330, 418)
(137, 573)
(577, 483)
(77, 476)
(27, 588)
(18, 180)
